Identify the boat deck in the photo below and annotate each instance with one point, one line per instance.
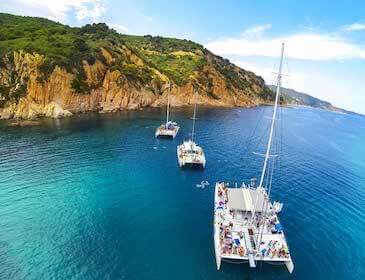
(167, 131)
(189, 153)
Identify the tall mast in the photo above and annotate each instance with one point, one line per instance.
(278, 85)
(168, 105)
(193, 130)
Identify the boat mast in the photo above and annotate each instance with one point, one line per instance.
(168, 105)
(193, 130)
(278, 85)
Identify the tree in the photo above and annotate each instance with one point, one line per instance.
(81, 45)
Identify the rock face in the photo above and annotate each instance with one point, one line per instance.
(73, 70)
(54, 96)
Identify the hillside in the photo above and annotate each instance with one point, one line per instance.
(294, 97)
(50, 69)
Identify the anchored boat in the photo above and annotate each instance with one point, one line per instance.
(189, 154)
(246, 222)
(170, 128)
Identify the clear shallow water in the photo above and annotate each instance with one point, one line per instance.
(98, 197)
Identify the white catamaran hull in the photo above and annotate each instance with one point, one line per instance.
(290, 266)
(217, 249)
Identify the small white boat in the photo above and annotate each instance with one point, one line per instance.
(190, 154)
(170, 128)
(246, 224)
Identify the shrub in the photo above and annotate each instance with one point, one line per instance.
(79, 84)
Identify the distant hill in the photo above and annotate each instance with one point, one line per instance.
(294, 97)
(51, 69)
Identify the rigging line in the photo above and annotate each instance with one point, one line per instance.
(260, 138)
(249, 142)
(250, 139)
(281, 142)
(267, 175)
(253, 218)
(260, 141)
(263, 205)
(256, 125)
(272, 173)
(268, 181)
(256, 200)
(266, 203)
(287, 66)
(282, 122)
(194, 117)
(273, 117)
(168, 105)
(278, 134)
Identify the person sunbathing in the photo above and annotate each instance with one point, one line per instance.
(274, 253)
(221, 240)
(230, 249)
(228, 241)
(226, 230)
(263, 251)
(225, 249)
(241, 251)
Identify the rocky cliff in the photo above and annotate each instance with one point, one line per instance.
(48, 69)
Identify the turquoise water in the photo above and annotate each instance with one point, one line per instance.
(98, 197)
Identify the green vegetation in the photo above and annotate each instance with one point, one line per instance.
(178, 68)
(232, 74)
(67, 47)
(133, 72)
(136, 57)
(161, 44)
(176, 58)
(60, 44)
(36, 35)
(6, 94)
(79, 84)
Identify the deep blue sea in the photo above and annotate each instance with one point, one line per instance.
(96, 196)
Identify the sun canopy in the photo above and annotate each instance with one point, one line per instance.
(245, 199)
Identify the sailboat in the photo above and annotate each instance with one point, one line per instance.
(169, 129)
(246, 222)
(189, 154)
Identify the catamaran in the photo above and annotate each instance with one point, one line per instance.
(189, 154)
(246, 222)
(170, 128)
